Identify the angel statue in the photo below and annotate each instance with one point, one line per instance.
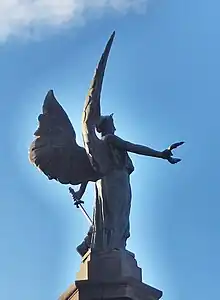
(103, 160)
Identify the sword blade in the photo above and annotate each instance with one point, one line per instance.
(84, 212)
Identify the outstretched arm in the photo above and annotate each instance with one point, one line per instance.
(134, 148)
(143, 150)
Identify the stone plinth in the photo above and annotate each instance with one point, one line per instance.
(108, 266)
(110, 276)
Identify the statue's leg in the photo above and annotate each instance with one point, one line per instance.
(86, 244)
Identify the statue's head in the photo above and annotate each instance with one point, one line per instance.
(106, 125)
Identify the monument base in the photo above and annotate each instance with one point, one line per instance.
(110, 276)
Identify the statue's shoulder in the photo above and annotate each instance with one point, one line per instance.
(113, 139)
(108, 138)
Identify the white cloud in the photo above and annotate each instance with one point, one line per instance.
(19, 17)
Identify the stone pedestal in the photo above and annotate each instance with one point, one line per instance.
(110, 276)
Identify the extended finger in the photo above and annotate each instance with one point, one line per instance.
(174, 160)
(175, 145)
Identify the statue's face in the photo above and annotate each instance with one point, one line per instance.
(106, 126)
(110, 126)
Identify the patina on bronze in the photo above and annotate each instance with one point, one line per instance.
(103, 160)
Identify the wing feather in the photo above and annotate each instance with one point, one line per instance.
(96, 148)
(55, 151)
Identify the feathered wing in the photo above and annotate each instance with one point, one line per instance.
(96, 148)
(55, 151)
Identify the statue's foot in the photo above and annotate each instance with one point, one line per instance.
(82, 249)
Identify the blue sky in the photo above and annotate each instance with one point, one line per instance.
(162, 83)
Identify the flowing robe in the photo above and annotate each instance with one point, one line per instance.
(113, 202)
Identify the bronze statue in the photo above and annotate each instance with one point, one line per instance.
(103, 160)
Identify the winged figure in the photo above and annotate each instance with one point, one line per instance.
(103, 160)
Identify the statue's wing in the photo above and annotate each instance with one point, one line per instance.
(55, 151)
(96, 148)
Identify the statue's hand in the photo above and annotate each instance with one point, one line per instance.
(76, 197)
(167, 154)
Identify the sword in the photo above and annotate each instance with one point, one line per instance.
(78, 204)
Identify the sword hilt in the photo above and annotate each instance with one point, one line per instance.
(78, 203)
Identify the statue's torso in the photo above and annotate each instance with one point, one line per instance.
(120, 159)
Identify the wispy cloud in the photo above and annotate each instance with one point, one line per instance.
(19, 17)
